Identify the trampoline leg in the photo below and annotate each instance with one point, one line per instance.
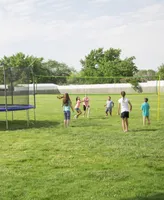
(7, 123)
(34, 115)
(12, 116)
(28, 118)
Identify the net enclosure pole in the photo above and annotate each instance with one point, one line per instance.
(159, 99)
(34, 94)
(5, 95)
(28, 118)
(12, 92)
(33, 79)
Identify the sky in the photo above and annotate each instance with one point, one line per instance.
(67, 30)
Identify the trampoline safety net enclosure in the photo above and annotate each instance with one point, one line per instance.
(14, 90)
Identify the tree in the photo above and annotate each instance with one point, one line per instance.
(57, 73)
(161, 71)
(146, 75)
(100, 63)
(42, 70)
(21, 62)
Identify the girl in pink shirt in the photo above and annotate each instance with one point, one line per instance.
(86, 106)
(77, 107)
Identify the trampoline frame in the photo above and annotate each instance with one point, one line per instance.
(19, 107)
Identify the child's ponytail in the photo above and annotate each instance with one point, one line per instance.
(123, 94)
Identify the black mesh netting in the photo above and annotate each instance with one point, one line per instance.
(16, 81)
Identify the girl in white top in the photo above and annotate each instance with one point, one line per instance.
(123, 108)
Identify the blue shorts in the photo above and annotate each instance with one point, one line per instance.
(67, 115)
(77, 109)
(108, 109)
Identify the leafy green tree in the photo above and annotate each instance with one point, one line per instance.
(44, 72)
(1, 76)
(76, 78)
(21, 62)
(100, 63)
(57, 73)
(161, 71)
(146, 75)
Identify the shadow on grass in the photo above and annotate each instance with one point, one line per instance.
(22, 124)
(88, 125)
(80, 123)
(145, 130)
(154, 197)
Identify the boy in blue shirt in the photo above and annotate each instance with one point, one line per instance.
(145, 111)
(109, 105)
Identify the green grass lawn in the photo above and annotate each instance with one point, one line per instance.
(91, 160)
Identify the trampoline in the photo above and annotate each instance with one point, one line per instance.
(15, 91)
(3, 108)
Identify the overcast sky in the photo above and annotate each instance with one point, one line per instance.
(66, 30)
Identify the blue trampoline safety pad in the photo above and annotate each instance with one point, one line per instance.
(4, 108)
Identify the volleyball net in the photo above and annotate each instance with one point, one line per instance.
(144, 86)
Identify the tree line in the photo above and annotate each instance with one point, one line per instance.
(99, 66)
